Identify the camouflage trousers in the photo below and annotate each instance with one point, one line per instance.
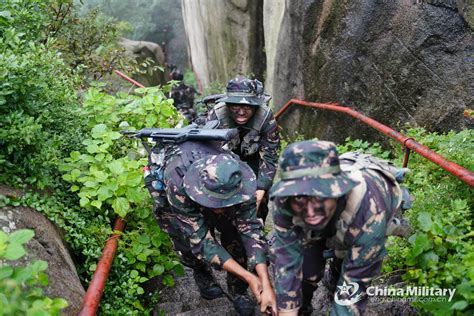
(314, 265)
(229, 239)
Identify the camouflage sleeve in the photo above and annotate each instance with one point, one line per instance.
(287, 258)
(269, 145)
(251, 231)
(189, 221)
(367, 239)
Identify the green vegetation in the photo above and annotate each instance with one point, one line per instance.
(67, 146)
(441, 251)
(20, 291)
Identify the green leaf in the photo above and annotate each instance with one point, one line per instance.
(3, 237)
(428, 259)
(92, 149)
(142, 257)
(43, 279)
(140, 290)
(156, 241)
(100, 176)
(133, 274)
(144, 239)
(168, 280)
(135, 178)
(115, 135)
(425, 221)
(84, 202)
(14, 252)
(460, 305)
(166, 110)
(97, 204)
(5, 272)
(116, 167)
(121, 206)
(99, 130)
(158, 269)
(21, 236)
(104, 193)
(134, 195)
(75, 155)
(421, 244)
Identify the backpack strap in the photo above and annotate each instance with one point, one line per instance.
(354, 199)
(259, 117)
(224, 116)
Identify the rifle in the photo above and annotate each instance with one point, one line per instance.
(180, 135)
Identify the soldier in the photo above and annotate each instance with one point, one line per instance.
(244, 107)
(183, 96)
(322, 211)
(209, 189)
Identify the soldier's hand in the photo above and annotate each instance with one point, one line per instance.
(268, 304)
(256, 287)
(259, 194)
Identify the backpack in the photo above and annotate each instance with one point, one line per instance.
(353, 163)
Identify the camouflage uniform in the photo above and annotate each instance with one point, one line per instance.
(183, 96)
(198, 178)
(258, 140)
(366, 201)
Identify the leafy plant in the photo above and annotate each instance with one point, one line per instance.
(19, 290)
(363, 146)
(106, 175)
(439, 253)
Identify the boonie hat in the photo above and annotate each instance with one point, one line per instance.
(241, 90)
(311, 168)
(219, 181)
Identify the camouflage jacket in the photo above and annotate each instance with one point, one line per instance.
(195, 222)
(258, 142)
(364, 241)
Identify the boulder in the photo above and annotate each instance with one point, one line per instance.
(225, 38)
(142, 50)
(46, 245)
(396, 61)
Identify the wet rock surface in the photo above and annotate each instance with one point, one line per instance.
(184, 300)
(141, 50)
(395, 61)
(225, 38)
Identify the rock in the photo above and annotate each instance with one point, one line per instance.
(46, 245)
(398, 62)
(225, 38)
(184, 299)
(142, 50)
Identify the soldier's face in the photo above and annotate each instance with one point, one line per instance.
(241, 114)
(219, 211)
(315, 211)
